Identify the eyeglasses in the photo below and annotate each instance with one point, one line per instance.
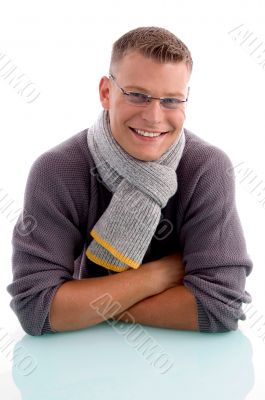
(141, 99)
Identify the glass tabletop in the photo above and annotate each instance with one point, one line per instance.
(127, 361)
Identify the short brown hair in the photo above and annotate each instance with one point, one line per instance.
(152, 42)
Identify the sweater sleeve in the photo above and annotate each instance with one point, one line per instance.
(46, 241)
(214, 249)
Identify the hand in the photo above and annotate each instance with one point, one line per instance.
(165, 273)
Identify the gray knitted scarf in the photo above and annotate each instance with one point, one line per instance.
(140, 190)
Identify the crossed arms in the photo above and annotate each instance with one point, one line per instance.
(152, 295)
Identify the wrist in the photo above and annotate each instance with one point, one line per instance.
(147, 278)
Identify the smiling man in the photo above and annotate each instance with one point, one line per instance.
(146, 131)
(136, 216)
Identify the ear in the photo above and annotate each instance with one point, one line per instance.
(104, 92)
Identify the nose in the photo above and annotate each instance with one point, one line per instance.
(152, 112)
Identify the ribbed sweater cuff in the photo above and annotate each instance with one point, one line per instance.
(47, 326)
(203, 320)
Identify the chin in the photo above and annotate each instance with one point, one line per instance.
(146, 157)
(143, 156)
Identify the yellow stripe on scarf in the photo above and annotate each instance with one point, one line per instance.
(113, 251)
(104, 263)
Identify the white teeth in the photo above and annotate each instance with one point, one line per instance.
(148, 134)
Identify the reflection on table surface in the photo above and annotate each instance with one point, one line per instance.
(126, 361)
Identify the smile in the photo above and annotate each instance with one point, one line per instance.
(146, 133)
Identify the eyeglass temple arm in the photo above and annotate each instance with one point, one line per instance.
(184, 101)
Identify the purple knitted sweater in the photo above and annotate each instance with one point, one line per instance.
(64, 198)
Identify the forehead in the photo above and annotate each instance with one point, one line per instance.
(136, 71)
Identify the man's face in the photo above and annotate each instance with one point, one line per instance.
(139, 74)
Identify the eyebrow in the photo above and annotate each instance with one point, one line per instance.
(144, 91)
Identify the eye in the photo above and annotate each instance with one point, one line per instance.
(171, 100)
(138, 97)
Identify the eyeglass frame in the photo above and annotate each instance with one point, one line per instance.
(149, 98)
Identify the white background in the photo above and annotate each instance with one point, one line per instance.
(64, 48)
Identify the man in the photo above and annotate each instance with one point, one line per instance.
(136, 209)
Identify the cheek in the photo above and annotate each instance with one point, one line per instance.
(178, 120)
(182, 114)
(119, 112)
